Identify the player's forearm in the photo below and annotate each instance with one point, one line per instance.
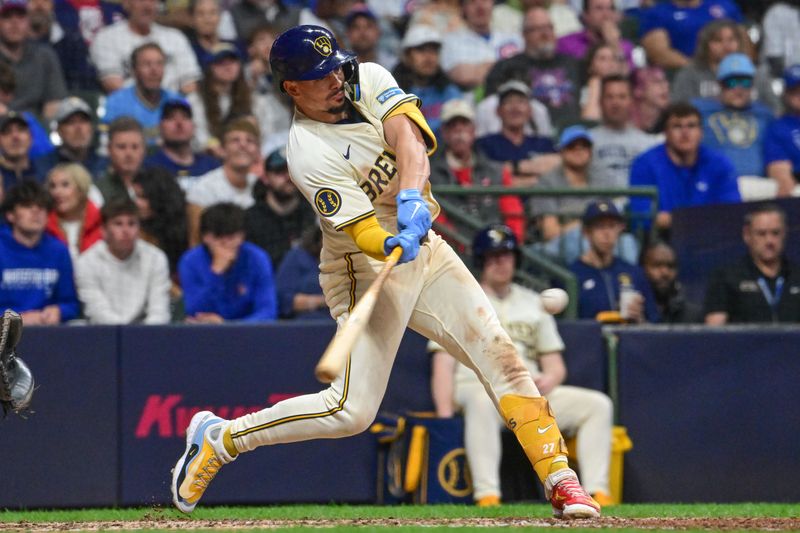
(369, 236)
(405, 138)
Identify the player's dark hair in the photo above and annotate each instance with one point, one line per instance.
(222, 219)
(680, 110)
(26, 193)
(118, 207)
(764, 209)
(124, 124)
(166, 226)
(615, 78)
(141, 48)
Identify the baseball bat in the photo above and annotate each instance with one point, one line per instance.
(333, 360)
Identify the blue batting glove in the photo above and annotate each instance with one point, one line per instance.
(413, 213)
(406, 240)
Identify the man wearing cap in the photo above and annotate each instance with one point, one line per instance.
(782, 138)
(685, 172)
(617, 141)
(176, 130)
(559, 217)
(280, 215)
(460, 163)
(75, 128)
(145, 98)
(233, 181)
(112, 47)
(469, 53)
(529, 155)
(36, 66)
(41, 144)
(363, 35)
(15, 143)
(552, 77)
(420, 72)
(732, 122)
(603, 277)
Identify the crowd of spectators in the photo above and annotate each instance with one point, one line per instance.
(142, 145)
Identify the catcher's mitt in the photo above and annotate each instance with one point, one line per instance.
(16, 380)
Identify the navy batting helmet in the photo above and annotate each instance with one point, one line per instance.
(309, 53)
(494, 238)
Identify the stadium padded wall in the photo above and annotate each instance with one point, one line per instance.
(712, 417)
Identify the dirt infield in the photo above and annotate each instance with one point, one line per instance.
(709, 524)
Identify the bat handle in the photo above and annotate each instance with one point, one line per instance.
(394, 256)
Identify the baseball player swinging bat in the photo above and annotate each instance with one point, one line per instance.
(333, 360)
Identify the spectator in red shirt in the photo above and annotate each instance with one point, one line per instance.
(73, 219)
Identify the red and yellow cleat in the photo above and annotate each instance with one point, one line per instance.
(568, 498)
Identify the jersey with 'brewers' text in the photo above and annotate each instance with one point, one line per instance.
(346, 170)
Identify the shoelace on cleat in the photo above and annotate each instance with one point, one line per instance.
(206, 474)
(572, 488)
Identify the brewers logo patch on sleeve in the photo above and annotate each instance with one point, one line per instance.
(328, 202)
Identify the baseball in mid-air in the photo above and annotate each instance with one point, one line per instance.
(554, 300)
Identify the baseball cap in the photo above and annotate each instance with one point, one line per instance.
(735, 65)
(71, 105)
(221, 51)
(601, 209)
(457, 108)
(513, 86)
(175, 103)
(420, 34)
(791, 77)
(12, 116)
(572, 134)
(276, 160)
(13, 5)
(359, 10)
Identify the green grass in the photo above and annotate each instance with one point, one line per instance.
(409, 512)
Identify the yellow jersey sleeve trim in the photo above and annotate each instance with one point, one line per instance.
(369, 236)
(412, 111)
(408, 99)
(354, 220)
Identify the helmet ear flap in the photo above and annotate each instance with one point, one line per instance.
(351, 79)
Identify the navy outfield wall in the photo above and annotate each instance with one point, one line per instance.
(712, 415)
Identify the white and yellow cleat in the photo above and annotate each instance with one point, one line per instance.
(204, 456)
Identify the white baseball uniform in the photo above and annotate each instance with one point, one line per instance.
(348, 172)
(582, 412)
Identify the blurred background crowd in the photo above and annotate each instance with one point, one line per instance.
(144, 175)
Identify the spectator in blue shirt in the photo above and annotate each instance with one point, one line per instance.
(732, 122)
(782, 140)
(299, 292)
(226, 278)
(146, 97)
(176, 128)
(420, 72)
(35, 268)
(685, 172)
(512, 145)
(602, 277)
(668, 30)
(75, 128)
